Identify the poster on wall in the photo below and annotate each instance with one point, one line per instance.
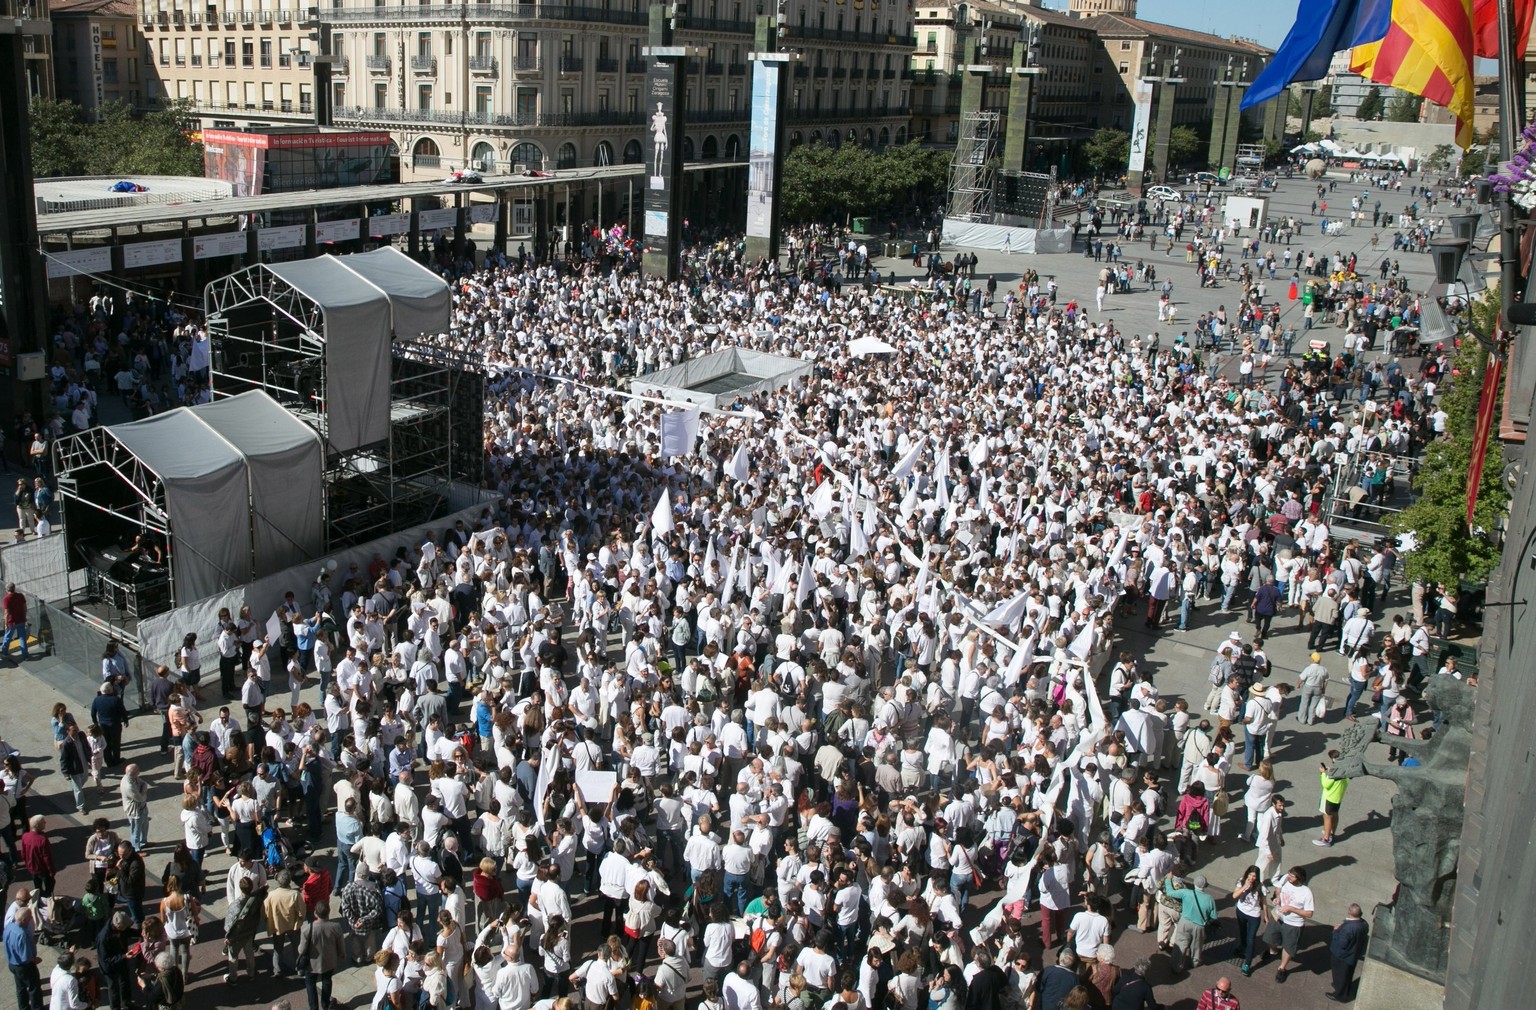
(152, 254)
(228, 243)
(382, 225)
(336, 231)
(662, 159)
(1140, 126)
(80, 261)
(434, 220)
(283, 237)
(762, 166)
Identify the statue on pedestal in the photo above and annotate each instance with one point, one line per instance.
(1412, 931)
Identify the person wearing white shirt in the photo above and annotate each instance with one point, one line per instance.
(64, 986)
(738, 992)
(736, 861)
(702, 851)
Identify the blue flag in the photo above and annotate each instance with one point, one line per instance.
(1323, 27)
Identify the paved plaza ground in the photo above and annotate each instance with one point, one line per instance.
(1356, 869)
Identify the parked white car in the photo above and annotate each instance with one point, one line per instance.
(1164, 193)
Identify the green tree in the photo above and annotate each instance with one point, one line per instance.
(1183, 145)
(1322, 105)
(1371, 106)
(1474, 161)
(820, 181)
(117, 143)
(1404, 108)
(1107, 151)
(57, 147)
(1439, 158)
(1447, 550)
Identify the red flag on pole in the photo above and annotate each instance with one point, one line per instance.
(1483, 431)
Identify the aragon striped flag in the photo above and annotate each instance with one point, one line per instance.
(1485, 26)
(1322, 28)
(1427, 51)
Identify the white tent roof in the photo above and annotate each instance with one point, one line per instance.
(869, 345)
(282, 454)
(212, 460)
(364, 299)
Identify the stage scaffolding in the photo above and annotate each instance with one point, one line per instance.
(972, 170)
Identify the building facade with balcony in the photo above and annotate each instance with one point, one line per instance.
(502, 86)
(1060, 118)
(97, 53)
(36, 49)
(1124, 50)
(236, 61)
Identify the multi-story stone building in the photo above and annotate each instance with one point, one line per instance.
(1204, 62)
(1061, 114)
(558, 85)
(36, 47)
(1090, 55)
(97, 53)
(537, 84)
(236, 61)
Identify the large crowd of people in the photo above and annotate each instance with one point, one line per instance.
(819, 711)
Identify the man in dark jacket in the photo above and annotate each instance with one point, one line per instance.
(322, 950)
(1058, 980)
(130, 880)
(107, 711)
(987, 985)
(1346, 950)
(1133, 991)
(112, 945)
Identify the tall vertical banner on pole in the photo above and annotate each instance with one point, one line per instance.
(763, 159)
(663, 167)
(1141, 127)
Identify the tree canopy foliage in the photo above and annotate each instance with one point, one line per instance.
(821, 181)
(1371, 106)
(1108, 151)
(1183, 145)
(117, 143)
(1447, 550)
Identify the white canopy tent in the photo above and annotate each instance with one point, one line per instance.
(241, 483)
(865, 346)
(345, 310)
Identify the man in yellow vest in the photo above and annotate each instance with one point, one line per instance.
(1333, 795)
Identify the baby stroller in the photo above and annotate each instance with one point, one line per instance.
(275, 848)
(60, 922)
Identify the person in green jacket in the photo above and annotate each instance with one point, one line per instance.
(1333, 795)
(1198, 910)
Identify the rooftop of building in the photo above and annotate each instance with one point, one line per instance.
(1117, 26)
(93, 8)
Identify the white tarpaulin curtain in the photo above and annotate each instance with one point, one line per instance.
(206, 494)
(1003, 238)
(357, 355)
(286, 464)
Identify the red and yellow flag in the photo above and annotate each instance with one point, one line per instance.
(1485, 26)
(1427, 51)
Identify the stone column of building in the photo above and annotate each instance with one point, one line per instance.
(665, 105)
(1020, 93)
(1215, 151)
(1167, 94)
(765, 141)
(1234, 122)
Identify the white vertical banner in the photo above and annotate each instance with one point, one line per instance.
(1141, 126)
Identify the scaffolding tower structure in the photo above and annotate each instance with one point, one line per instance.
(972, 171)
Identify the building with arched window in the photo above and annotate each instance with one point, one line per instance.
(561, 79)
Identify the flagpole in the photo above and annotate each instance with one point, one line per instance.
(1511, 122)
